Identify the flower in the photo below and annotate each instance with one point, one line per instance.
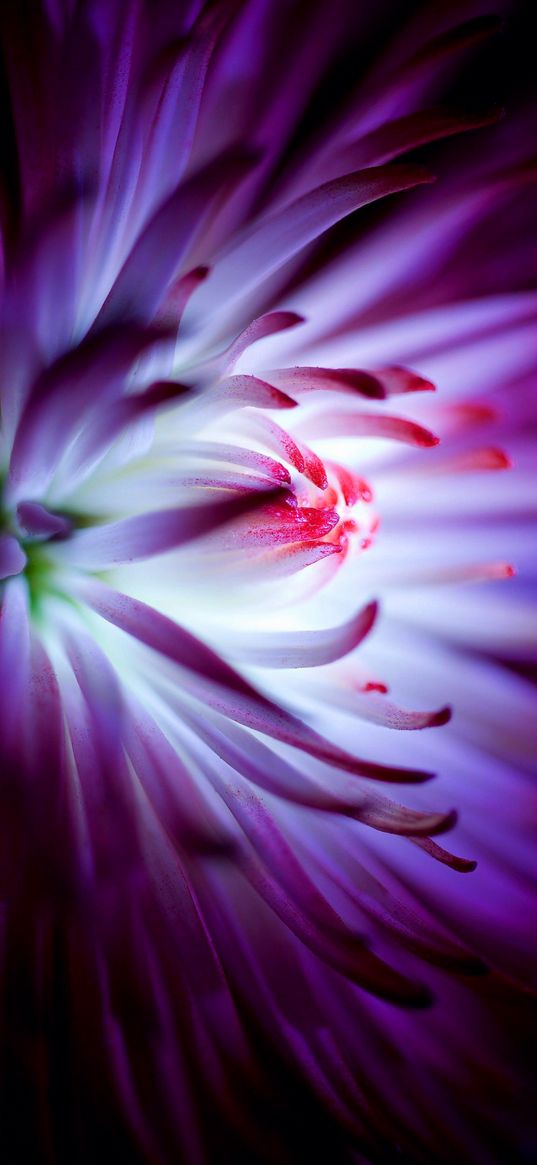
(227, 933)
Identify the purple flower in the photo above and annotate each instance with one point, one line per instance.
(227, 933)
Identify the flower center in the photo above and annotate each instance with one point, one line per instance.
(24, 534)
(351, 496)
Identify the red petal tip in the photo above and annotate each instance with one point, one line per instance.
(372, 610)
(449, 822)
(443, 716)
(501, 459)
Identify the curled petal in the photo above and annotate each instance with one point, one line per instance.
(145, 535)
(373, 384)
(303, 648)
(268, 325)
(235, 392)
(41, 522)
(288, 890)
(418, 934)
(289, 560)
(269, 244)
(389, 817)
(408, 133)
(378, 710)
(277, 526)
(351, 424)
(489, 459)
(235, 455)
(159, 633)
(360, 966)
(171, 311)
(461, 865)
(164, 243)
(446, 43)
(227, 691)
(296, 453)
(264, 768)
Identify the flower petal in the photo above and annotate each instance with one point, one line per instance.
(12, 556)
(165, 242)
(297, 649)
(350, 424)
(41, 522)
(269, 244)
(408, 133)
(267, 325)
(227, 692)
(145, 535)
(76, 385)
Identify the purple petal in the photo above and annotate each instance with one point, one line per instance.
(12, 556)
(67, 393)
(267, 325)
(296, 649)
(43, 523)
(407, 133)
(227, 692)
(348, 424)
(165, 242)
(14, 658)
(145, 535)
(376, 385)
(272, 242)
